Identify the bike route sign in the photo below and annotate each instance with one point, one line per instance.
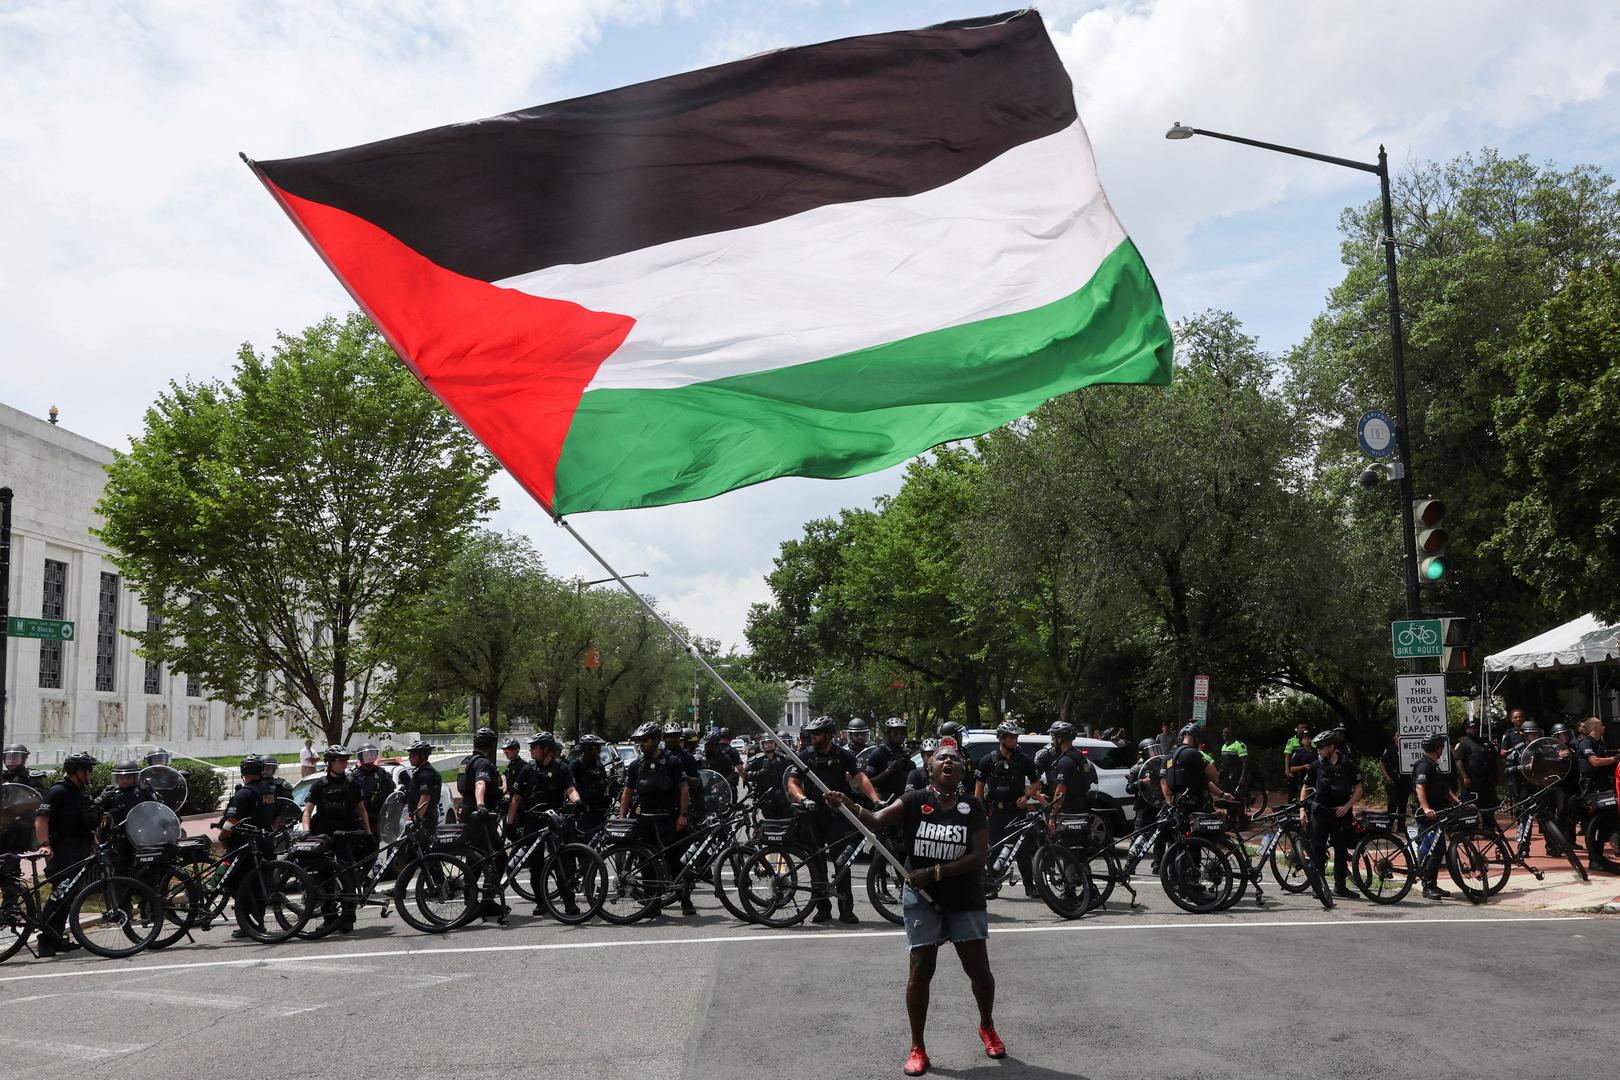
(1411, 638)
(1420, 704)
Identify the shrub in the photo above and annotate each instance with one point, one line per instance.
(205, 788)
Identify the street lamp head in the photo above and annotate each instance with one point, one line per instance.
(1178, 130)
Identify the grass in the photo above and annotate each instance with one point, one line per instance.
(231, 762)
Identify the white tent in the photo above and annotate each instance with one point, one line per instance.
(1582, 642)
(1577, 643)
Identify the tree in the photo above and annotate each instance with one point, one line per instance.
(281, 524)
(473, 632)
(1560, 430)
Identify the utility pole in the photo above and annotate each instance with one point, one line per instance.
(5, 600)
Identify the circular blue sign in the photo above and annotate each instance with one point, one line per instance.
(1376, 433)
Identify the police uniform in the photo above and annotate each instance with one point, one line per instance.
(513, 773)
(1398, 791)
(887, 768)
(655, 786)
(1188, 784)
(1332, 783)
(826, 831)
(1594, 779)
(422, 780)
(917, 779)
(591, 781)
(482, 830)
(765, 781)
(71, 818)
(1006, 778)
(20, 835)
(1429, 778)
(375, 785)
(1475, 761)
(1300, 755)
(723, 758)
(116, 802)
(1234, 767)
(545, 787)
(337, 801)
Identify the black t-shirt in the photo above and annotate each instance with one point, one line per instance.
(1391, 757)
(941, 831)
(72, 815)
(590, 779)
(833, 768)
(1593, 777)
(1302, 755)
(424, 779)
(1332, 782)
(1514, 737)
(1072, 772)
(917, 779)
(1474, 760)
(887, 768)
(723, 758)
(256, 803)
(1427, 776)
(473, 768)
(375, 787)
(513, 773)
(337, 803)
(1006, 779)
(545, 787)
(656, 783)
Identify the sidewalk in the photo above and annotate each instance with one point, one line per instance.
(1560, 891)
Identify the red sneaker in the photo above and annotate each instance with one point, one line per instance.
(917, 1063)
(992, 1043)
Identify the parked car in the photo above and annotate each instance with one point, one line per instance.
(447, 793)
(1112, 761)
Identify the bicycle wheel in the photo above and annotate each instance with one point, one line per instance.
(273, 902)
(1556, 838)
(435, 893)
(1195, 874)
(728, 867)
(116, 916)
(776, 888)
(217, 890)
(1062, 881)
(1289, 857)
(1479, 863)
(1102, 867)
(1237, 865)
(573, 883)
(635, 883)
(183, 904)
(16, 917)
(883, 885)
(1383, 867)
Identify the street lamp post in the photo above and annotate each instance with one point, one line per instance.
(579, 590)
(1397, 350)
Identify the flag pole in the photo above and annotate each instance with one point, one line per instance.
(719, 680)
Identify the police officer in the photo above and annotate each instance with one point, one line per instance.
(1397, 785)
(655, 786)
(14, 768)
(1072, 775)
(282, 789)
(1594, 763)
(1476, 764)
(375, 785)
(64, 831)
(546, 784)
(1329, 793)
(158, 756)
(1006, 783)
(691, 746)
(723, 758)
(917, 778)
(257, 803)
(857, 734)
(1144, 782)
(827, 831)
(423, 785)
(478, 782)
(513, 751)
(675, 747)
(1433, 791)
(124, 794)
(1300, 760)
(1516, 736)
(890, 763)
(591, 781)
(335, 804)
(1234, 764)
(1568, 786)
(764, 773)
(950, 729)
(1190, 777)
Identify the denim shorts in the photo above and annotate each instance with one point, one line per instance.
(925, 926)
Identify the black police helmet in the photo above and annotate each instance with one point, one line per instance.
(159, 756)
(1007, 727)
(80, 760)
(335, 753)
(420, 746)
(857, 724)
(1530, 727)
(1148, 745)
(1434, 742)
(545, 738)
(950, 729)
(511, 743)
(594, 741)
(820, 723)
(894, 723)
(483, 738)
(127, 768)
(1061, 729)
(252, 765)
(16, 748)
(1558, 729)
(1191, 729)
(1326, 738)
(650, 730)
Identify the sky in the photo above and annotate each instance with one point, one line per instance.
(136, 249)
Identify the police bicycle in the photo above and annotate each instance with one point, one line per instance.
(1475, 856)
(778, 890)
(1063, 862)
(109, 913)
(573, 881)
(642, 876)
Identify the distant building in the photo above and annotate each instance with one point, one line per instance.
(797, 710)
(93, 692)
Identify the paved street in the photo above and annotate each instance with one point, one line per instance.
(1152, 993)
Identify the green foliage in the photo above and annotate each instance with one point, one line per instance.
(281, 523)
(1560, 428)
(205, 787)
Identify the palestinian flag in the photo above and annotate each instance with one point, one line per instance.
(815, 262)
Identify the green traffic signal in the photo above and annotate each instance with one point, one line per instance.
(1432, 569)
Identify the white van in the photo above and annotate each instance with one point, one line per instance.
(1112, 761)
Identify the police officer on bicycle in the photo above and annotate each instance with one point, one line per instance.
(336, 804)
(1190, 777)
(374, 782)
(1433, 790)
(1007, 784)
(423, 785)
(765, 774)
(890, 762)
(546, 784)
(256, 803)
(827, 831)
(478, 782)
(655, 786)
(65, 832)
(1329, 794)
(591, 780)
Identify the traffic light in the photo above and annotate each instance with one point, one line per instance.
(1456, 643)
(1430, 540)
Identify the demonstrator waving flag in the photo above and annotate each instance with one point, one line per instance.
(817, 262)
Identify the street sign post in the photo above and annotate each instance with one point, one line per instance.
(46, 629)
(1410, 638)
(1200, 699)
(1420, 709)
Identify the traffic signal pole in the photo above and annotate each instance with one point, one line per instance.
(1414, 604)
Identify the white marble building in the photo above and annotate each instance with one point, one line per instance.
(94, 692)
(797, 710)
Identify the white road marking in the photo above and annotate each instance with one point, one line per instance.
(72, 1050)
(222, 1002)
(332, 961)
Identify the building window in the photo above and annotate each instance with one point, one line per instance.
(107, 634)
(154, 671)
(54, 607)
(192, 689)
